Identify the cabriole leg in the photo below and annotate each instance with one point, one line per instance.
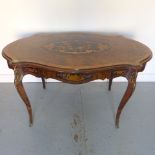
(43, 82)
(131, 77)
(21, 91)
(110, 83)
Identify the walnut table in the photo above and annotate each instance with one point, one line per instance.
(76, 58)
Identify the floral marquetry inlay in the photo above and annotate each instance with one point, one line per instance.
(76, 46)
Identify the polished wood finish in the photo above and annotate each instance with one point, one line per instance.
(77, 58)
(19, 86)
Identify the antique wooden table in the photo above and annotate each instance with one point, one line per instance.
(76, 58)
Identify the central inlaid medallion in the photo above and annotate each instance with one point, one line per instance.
(77, 46)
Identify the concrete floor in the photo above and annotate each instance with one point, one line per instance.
(77, 120)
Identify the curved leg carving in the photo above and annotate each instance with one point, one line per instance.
(21, 91)
(43, 81)
(131, 77)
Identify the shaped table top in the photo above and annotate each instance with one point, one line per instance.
(77, 51)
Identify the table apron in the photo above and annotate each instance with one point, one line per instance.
(75, 78)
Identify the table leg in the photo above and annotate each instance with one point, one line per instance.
(43, 81)
(21, 91)
(110, 83)
(131, 77)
